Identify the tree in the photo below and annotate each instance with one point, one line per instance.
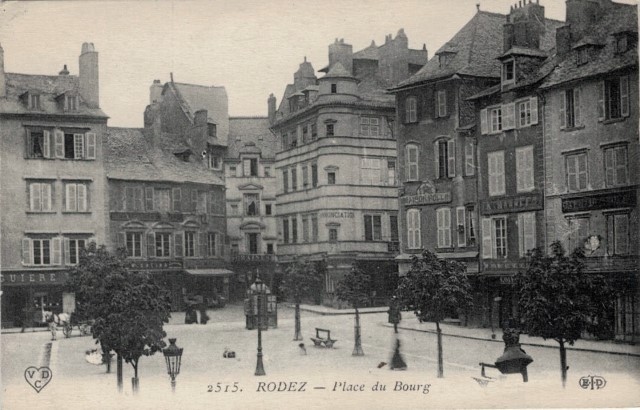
(559, 301)
(435, 289)
(300, 282)
(128, 309)
(354, 288)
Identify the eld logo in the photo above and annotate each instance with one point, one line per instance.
(38, 378)
(592, 382)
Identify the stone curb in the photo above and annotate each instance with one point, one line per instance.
(582, 349)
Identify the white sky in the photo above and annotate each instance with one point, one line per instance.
(250, 47)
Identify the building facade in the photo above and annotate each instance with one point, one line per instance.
(591, 148)
(250, 181)
(169, 216)
(336, 161)
(53, 195)
(511, 163)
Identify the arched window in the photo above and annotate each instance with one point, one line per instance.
(414, 239)
(411, 107)
(411, 161)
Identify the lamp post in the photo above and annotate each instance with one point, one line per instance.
(258, 290)
(173, 357)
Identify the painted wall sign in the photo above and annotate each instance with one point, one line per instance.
(426, 199)
(252, 258)
(515, 204)
(505, 265)
(599, 201)
(337, 214)
(155, 265)
(33, 278)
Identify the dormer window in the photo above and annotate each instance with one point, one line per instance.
(212, 130)
(33, 101)
(583, 55)
(70, 102)
(622, 44)
(445, 58)
(508, 72)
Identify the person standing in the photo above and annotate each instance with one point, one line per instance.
(53, 326)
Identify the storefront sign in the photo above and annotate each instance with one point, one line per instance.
(155, 265)
(203, 264)
(140, 216)
(507, 280)
(33, 278)
(515, 204)
(599, 201)
(252, 258)
(505, 265)
(337, 214)
(426, 199)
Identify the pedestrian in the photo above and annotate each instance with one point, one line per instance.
(53, 326)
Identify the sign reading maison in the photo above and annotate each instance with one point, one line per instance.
(426, 199)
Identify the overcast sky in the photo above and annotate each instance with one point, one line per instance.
(250, 47)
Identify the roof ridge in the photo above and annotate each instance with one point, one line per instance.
(44, 75)
(248, 117)
(199, 85)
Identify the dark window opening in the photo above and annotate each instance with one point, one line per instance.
(331, 178)
(334, 88)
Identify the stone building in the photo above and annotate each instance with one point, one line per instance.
(336, 161)
(52, 132)
(511, 164)
(250, 182)
(169, 215)
(591, 151)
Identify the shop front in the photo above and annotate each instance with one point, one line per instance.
(26, 295)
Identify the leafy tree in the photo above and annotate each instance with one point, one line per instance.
(300, 282)
(435, 289)
(128, 309)
(354, 288)
(559, 301)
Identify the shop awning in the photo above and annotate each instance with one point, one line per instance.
(209, 272)
(456, 255)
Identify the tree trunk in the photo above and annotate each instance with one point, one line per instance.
(440, 362)
(298, 335)
(563, 363)
(357, 348)
(119, 372)
(134, 380)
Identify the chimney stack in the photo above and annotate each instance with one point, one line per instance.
(271, 105)
(3, 87)
(340, 52)
(155, 92)
(64, 71)
(563, 40)
(88, 76)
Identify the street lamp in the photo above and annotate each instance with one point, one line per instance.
(173, 357)
(259, 294)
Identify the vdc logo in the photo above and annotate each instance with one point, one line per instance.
(592, 382)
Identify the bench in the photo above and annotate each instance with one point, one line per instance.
(327, 341)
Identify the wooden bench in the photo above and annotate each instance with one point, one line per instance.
(327, 341)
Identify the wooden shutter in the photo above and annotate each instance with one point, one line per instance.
(151, 244)
(78, 146)
(59, 143)
(576, 107)
(624, 96)
(461, 222)
(46, 196)
(486, 239)
(91, 145)
(177, 199)
(56, 248)
(447, 227)
(46, 142)
(440, 218)
(602, 113)
(27, 251)
(521, 171)
(67, 252)
(203, 244)
(621, 234)
(469, 159)
(71, 201)
(121, 239)
(484, 124)
(81, 192)
(138, 200)
(451, 158)
(436, 158)
(35, 197)
(609, 167)
(563, 109)
(534, 109)
(500, 172)
(194, 200)
(572, 172)
(178, 244)
(148, 191)
(529, 231)
(509, 117)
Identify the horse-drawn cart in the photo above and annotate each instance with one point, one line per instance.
(68, 321)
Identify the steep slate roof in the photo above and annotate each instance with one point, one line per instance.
(617, 18)
(194, 97)
(130, 156)
(49, 87)
(251, 130)
(477, 46)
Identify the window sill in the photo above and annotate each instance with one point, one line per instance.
(76, 212)
(569, 129)
(41, 212)
(613, 120)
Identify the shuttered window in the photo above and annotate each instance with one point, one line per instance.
(524, 169)
(372, 228)
(76, 197)
(443, 217)
(412, 162)
(577, 177)
(496, 173)
(411, 109)
(616, 166)
(469, 158)
(618, 234)
(461, 226)
(526, 232)
(413, 229)
(40, 196)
